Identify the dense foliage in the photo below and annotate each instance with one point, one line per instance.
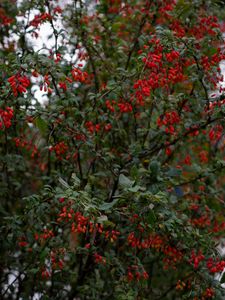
(113, 188)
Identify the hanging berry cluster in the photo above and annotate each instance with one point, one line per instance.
(6, 118)
(19, 84)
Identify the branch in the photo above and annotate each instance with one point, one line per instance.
(173, 142)
(142, 24)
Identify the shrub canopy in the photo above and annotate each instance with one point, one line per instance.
(113, 188)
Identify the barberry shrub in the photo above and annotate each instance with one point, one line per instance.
(113, 188)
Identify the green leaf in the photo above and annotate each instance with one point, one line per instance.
(125, 182)
(63, 182)
(151, 217)
(34, 270)
(108, 206)
(41, 125)
(134, 189)
(222, 280)
(102, 219)
(76, 180)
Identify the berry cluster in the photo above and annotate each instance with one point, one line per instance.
(19, 84)
(4, 19)
(196, 258)
(60, 149)
(91, 127)
(40, 19)
(79, 76)
(168, 120)
(215, 266)
(29, 146)
(137, 273)
(6, 117)
(46, 234)
(162, 70)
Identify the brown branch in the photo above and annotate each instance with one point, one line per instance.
(142, 24)
(173, 142)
